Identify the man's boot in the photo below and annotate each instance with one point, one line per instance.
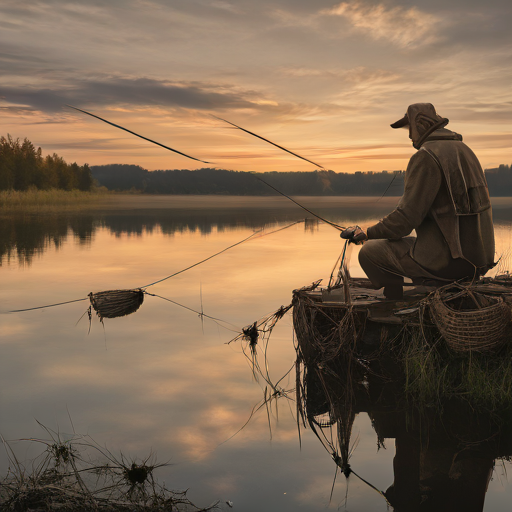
(394, 292)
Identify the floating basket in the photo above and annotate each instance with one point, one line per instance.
(469, 320)
(116, 303)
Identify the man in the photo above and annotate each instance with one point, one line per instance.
(445, 200)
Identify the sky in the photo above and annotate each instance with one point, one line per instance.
(322, 78)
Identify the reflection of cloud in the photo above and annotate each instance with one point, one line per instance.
(212, 427)
(403, 27)
(195, 444)
(13, 329)
(224, 484)
(314, 492)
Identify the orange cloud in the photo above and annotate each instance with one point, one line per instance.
(403, 27)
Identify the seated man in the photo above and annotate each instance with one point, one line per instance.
(445, 200)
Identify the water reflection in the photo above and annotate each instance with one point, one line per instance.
(445, 455)
(156, 381)
(23, 237)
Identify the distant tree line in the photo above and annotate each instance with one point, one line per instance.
(499, 180)
(22, 166)
(223, 182)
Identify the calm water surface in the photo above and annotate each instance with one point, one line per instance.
(163, 381)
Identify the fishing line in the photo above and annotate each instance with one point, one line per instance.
(253, 235)
(389, 186)
(48, 306)
(345, 261)
(199, 313)
(336, 226)
(342, 258)
(347, 470)
(203, 161)
(206, 259)
(371, 485)
(339, 228)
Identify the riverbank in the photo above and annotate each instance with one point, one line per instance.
(48, 201)
(62, 201)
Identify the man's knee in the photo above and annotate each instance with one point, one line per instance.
(368, 253)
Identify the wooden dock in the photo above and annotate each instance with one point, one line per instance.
(374, 317)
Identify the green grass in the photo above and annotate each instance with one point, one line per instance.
(53, 200)
(433, 372)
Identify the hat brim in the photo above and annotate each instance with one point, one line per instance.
(401, 122)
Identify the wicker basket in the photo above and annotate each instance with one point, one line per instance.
(481, 328)
(116, 303)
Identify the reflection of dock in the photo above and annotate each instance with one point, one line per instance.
(437, 381)
(444, 454)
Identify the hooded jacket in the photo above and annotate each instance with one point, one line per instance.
(446, 201)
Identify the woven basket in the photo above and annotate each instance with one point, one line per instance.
(480, 329)
(116, 303)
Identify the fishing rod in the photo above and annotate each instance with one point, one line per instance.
(137, 135)
(269, 141)
(274, 188)
(339, 228)
(298, 156)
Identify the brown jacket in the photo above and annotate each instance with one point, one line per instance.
(447, 202)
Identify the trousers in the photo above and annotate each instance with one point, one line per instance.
(387, 262)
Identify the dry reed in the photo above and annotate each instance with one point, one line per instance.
(47, 201)
(65, 478)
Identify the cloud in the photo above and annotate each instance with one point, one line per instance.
(87, 144)
(226, 6)
(490, 140)
(134, 92)
(147, 97)
(358, 74)
(403, 27)
(302, 72)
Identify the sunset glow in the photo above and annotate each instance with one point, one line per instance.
(322, 78)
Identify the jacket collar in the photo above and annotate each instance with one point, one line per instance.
(441, 134)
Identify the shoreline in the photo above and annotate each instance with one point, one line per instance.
(57, 201)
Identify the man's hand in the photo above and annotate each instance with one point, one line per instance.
(354, 234)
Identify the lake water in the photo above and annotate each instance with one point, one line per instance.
(165, 381)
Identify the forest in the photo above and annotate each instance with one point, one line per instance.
(223, 182)
(23, 167)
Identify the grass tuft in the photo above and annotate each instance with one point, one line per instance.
(433, 372)
(65, 478)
